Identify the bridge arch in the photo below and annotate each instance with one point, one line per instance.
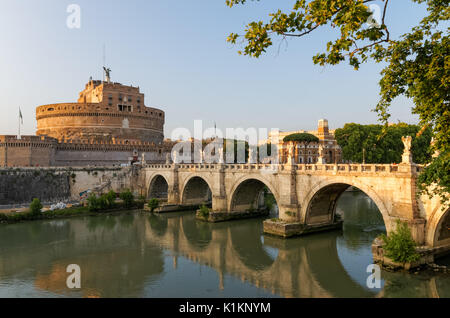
(196, 190)
(246, 192)
(438, 227)
(158, 187)
(319, 204)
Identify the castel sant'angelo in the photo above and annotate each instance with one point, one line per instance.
(109, 125)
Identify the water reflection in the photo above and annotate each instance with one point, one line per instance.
(173, 255)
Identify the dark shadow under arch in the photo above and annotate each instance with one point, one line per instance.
(443, 228)
(322, 206)
(252, 195)
(158, 188)
(196, 192)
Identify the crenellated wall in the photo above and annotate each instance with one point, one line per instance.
(41, 151)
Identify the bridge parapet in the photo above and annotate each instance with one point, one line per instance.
(365, 169)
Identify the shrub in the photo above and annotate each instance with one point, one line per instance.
(103, 203)
(93, 202)
(153, 204)
(128, 198)
(111, 198)
(36, 207)
(204, 211)
(399, 245)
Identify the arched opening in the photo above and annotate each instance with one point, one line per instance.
(253, 195)
(197, 192)
(363, 222)
(442, 236)
(158, 188)
(323, 206)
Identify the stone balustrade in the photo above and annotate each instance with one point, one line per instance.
(299, 168)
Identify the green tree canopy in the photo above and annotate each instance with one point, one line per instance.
(382, 145)
(301, 137)
(417, 63)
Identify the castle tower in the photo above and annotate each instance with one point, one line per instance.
(105, 111)
(323, 130)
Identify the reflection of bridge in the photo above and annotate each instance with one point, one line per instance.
(292, 268)
(120, 256)
(304, 193)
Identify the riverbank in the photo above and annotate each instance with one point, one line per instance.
(18, 217)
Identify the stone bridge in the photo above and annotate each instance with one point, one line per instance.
(305, 194)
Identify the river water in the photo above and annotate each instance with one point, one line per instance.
(143, 255)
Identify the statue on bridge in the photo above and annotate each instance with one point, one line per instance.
(174, 157)
(251, 156)
(321, 160)
(407, 155)
(221, 159)
(291, 154)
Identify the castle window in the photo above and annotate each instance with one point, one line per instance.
(160, 114)
(50, 109)
(129, 99)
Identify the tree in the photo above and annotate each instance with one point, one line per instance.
(127, 198)
(36, 207)
(418, 62)
(93, 202)
(111, 198)
(382, 146)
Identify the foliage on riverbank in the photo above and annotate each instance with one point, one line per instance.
(101, 206)
(153, 204)
(204, 211)
(399, 245)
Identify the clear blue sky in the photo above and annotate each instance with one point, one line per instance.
(176, 51)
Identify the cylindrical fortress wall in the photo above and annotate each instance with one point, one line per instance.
(79, 121)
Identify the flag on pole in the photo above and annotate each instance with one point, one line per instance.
(20, 116)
